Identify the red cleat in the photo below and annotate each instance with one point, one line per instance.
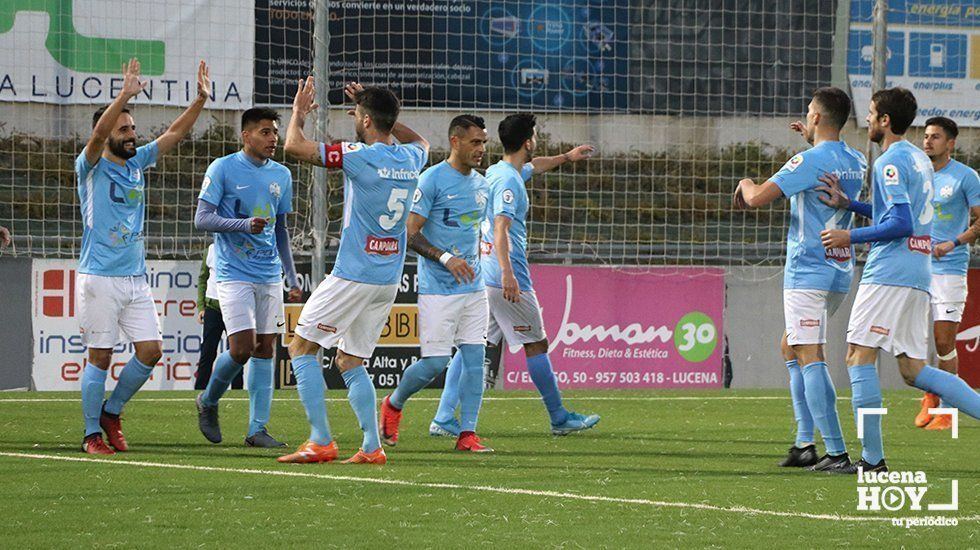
(470, 442)
(929, 401)
(94, 445)
(112, 426)
(311, 453)
(377, 457)
(389, 420)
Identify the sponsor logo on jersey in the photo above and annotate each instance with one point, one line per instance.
(326, 328)
(794, 162)
(891, 175)
(809, 323)
(880, 330)
(838, 254)
(383, 246)
(402, 174)
(920, 243)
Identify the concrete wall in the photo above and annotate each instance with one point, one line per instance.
(16, 339)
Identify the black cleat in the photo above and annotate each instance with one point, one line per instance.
(207, 421)
(861, 464)
(800, 457)
(263, 439)
(832, 463)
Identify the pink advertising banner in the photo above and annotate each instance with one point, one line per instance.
(620, 328)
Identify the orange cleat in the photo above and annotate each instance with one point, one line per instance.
(377, 457)
(929, 401)
(388, 421)
(470, 442)
(311, 453)
(94, 445)
(940, 422)
(112, 427)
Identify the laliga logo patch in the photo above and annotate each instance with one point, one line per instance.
(350, 147)
(206, 183)
(508, 196)
(794, 162)
(275, 190)
(946, 192)
(891, 175)
(417, 196)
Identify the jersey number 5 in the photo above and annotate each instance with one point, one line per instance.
(396, 207)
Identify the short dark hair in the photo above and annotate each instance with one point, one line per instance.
(900, 106)
(463, 123)
(98, 114)
(381, 104)
(947, 124)
(835, 103)
(258, 114)
(514, 130)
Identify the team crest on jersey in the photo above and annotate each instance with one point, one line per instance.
(275, 190)
(508, 196)
(946, 192)
(891, 175)
(417, 196)
(794, 162)
(481, 199)
(205, 183)
(138, 175)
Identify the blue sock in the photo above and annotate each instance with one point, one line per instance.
(450, 392)
(866, 393)
(93, 392)
(132, 378)
(260, 385)
(543, 376)
(797, 391)
(470, 385)
(311, 388)
(364, 401)
(822, 400)
(950, 388)
(417, 376)
(225, 370)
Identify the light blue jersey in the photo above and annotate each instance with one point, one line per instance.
(240, 189)
(454, 207)
(902, 175)
(808, 264)
(113, 205)
(957, 191)
(508, 197)
(379, 180)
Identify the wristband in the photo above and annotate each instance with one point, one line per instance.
(956, 242)
(446, 256)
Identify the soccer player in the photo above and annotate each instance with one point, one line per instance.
(351, 306)
(514, 311)
(209, 316)
(956, 198)
(112, 291)
(891, 309)
(244, 200)
(444, 229)
(815, 280)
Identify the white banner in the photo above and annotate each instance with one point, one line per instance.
(72, 52)
(60, 357)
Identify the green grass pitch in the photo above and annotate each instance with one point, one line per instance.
(674, 468)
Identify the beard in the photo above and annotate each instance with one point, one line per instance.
(359, 132)
(118, 148)
(876, 136)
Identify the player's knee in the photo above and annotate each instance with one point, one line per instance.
(300, 346)
(536, 348)
(945, 344)
(149, 353)
(346, 362)
(240, 354)
(100, 357)
(262, 350)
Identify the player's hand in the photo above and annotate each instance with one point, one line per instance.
(832, 194)
(738, 200)
(512, 291)
(835, 238)
(131, 79)
(200, 317)
(295, 295)
(351, 89)
(582, 152)
(4, 237)
(305, 101)
(258, 225)
(943, 248)
(461, 270)
(203, 81)
(800, 128)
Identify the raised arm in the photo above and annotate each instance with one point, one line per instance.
(547, 164)
(185, 122)
(103, 128)
(297, 144)
(461, 270)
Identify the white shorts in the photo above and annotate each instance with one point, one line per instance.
(519, 323)
(347, 314)
(107, 305)
(948, 297)
(450, 320)
(251, 306)
(892, 318)
(806, 313)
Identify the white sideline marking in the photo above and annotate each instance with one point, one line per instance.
(481, 488)
(344, 399)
